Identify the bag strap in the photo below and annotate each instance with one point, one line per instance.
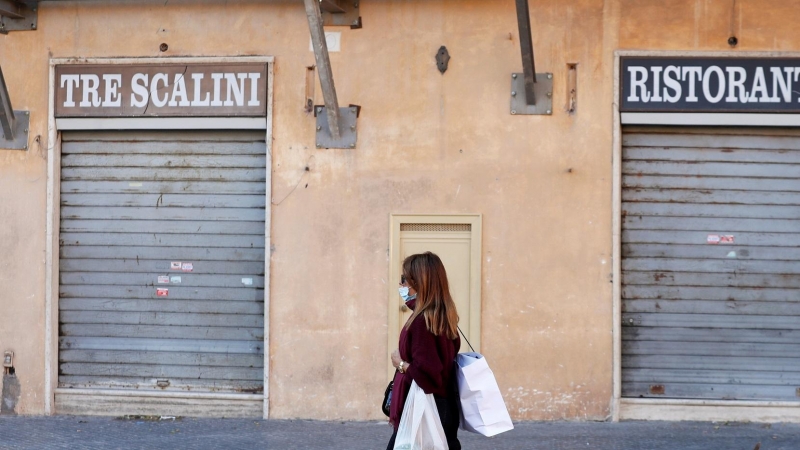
(465, 338)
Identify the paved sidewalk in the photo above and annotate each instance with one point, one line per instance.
(69, 432)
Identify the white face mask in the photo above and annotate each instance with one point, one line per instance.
(404, 294)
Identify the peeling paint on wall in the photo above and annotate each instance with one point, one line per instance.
(526, 403)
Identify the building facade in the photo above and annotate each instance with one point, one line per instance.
(178, 240)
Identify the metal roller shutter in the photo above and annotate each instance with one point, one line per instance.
(710, 264)
(133, 205)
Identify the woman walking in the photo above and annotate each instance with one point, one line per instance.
(428, 344)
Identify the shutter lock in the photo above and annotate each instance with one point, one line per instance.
(8, 359)
(631, 321)
(162, 383)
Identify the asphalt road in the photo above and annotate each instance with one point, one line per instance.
(103, 433)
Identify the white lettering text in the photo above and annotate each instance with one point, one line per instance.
(71, 82)
(89, 84)
(112, 98)
(139, 87)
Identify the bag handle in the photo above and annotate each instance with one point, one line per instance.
(465, 338)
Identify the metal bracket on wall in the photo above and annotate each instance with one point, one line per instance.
(531, 92)
(18, 15)
(19, 135)
(336, 127)
(342, 13)
(13, 124)
(348, 130)
(542, 88)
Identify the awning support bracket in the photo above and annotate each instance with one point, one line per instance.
(348, 132)
(344, 13)
(531, 92)
(13, 124)
(335, 127)
(17, 15)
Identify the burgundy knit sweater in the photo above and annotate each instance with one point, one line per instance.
(431, 362)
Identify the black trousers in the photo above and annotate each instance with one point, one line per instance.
(450, 414)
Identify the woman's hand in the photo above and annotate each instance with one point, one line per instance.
(396, 358)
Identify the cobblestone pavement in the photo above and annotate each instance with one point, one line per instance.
(69, 432)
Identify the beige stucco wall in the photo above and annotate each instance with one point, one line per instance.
(428, 143)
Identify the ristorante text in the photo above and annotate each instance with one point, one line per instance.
(684, 84)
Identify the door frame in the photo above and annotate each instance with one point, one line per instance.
(201, 400)
(677, 409)
(395, 220)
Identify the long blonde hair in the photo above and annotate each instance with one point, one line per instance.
(426, 274)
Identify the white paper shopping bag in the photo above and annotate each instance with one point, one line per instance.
(483, 410)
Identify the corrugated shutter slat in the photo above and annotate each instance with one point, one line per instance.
(702, 319)
(133, 203)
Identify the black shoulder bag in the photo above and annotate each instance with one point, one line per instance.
(387, 398)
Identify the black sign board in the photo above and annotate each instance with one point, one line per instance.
(673, 84)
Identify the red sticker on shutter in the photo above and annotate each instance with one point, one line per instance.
(162, 292)
(719, 239)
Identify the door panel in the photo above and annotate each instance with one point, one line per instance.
(456, 239)
(454, 250)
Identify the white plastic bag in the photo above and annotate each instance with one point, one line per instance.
(420, 426)
(483, 410)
